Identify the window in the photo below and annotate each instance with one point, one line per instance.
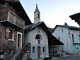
(38, 30)
(38, 15)
(79, 35)
(43, 49)
(38, 37)
(62, 30)
(38, 41)
(10, 51)
(1, 56)
(33, 49)
(73, 37)
(69, 33)
(79, 45)
(10, 34)
(59, 38)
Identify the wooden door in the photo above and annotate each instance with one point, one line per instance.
(38, 50)
(19, 40)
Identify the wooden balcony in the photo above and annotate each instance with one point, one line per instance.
(12, 20)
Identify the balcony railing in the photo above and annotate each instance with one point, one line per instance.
(12, 18)
(77, 40)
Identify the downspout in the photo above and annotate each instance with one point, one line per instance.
(23, 38)
(79, 27)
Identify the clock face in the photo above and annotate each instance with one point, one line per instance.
(38, 30)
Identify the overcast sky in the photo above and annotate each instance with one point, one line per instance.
(53, 12)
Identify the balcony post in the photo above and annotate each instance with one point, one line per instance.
(8, 15)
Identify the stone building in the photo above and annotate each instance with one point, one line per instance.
(12, 21)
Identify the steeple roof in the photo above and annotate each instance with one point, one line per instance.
(36, 10)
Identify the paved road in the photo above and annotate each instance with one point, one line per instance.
(70, 58)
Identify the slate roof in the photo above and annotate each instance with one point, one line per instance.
(66, 26)
(75, 17)
(51, 39)
(50, 29)
(41, 24)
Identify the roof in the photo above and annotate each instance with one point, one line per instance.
(41, 24)
(75, 17)
(51, 39)
(36, 10)
(19, 9)
(50, 29)
(67, 26)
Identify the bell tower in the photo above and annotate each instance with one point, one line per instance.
(36, 15)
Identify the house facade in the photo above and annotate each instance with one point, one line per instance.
(69, 35)
(39, 43)
(12, 22)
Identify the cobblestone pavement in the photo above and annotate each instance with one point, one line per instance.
(76, 57)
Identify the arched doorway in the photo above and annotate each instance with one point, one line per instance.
(39, 51)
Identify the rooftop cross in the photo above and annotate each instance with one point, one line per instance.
(36, 5)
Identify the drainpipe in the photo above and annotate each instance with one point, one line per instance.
(79, 27)
(22, 38)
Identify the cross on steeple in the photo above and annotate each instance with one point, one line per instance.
(36, 5)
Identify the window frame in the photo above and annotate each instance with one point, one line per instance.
(62, 30)
(11, 39)
(73, 38)
(33, 49)
(58, 38)
(43, 49)
(39, 15)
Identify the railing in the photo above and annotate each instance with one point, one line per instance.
(76, 40)
(23, 51)
(13, 18)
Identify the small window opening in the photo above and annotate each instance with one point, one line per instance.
(10, 34)
(59, 38)
(33, 49)
(73, 37)
(62, 30)
(10, 51)
(43, 49)
(38, 15)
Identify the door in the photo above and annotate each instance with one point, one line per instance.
(74, 49)
(38, 50)
(19, 39)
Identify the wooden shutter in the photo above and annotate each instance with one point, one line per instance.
(15, 35)
(7, 33)
(0, 32)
